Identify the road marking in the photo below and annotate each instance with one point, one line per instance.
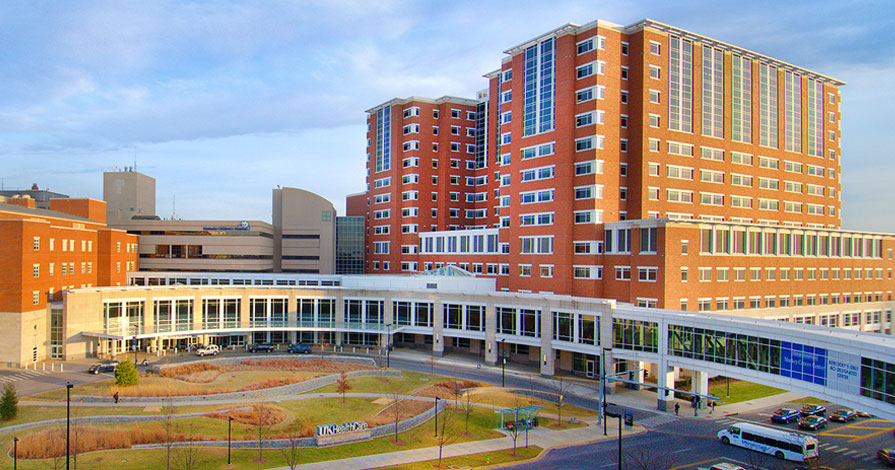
(870, 435)
(682, 450)
(829, 446)
(840, 450)
(869, 458)
(851, 452)
(694, 464)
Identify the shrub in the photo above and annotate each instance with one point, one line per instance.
(126, 374)
(9, 402)
(51, 442)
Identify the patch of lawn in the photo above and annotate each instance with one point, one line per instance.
(810, 401)
(741, 391)
(474, 460)
(28, 413)
(498, 397)
(481, 423)
(407, 384)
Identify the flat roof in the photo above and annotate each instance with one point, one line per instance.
(4, 207)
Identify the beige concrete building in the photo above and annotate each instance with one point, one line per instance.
(301, 239)
(304, 232)
(128, 194)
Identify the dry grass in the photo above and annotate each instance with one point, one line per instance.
(461, 384)
(207, 373)
(51, 442)
(269, 415)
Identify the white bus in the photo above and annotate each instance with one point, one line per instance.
(781, 444)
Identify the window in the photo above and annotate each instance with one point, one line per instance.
(710, 176)
(655, 48)
(678, 148)
(36, 244)
(588, 216)
(624, 96)
(740, 180)
(655, 72)
(624, 72)
(677, 195)
(711, 199)
(625, 48)
(741, 158)
(769, 163)
(654, 120)
(623, 273)
(655, 96)
(589, 167)
(647, 274)
(653, 145)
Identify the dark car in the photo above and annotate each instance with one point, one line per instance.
(813, 410)
(105, 366)
(886, 456)
(863, 414)
(843, 416)
(785, 416)
(261, 348)
(299, 349)
(813, 423)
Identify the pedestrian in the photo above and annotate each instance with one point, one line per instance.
(713, 407)
(677, 409)
(115, 397)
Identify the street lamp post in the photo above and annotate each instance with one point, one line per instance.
(436, 416)
(603, 391)
(229, 427)
(620, 455)
(68, 387)
(15, 452)
(135, 351)
(728, 387)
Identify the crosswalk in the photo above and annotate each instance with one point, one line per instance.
(23, 375)
(846, 452)
(656, 421)
(825, 446)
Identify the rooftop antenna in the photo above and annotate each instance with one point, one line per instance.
(174, 207)
(135, 159)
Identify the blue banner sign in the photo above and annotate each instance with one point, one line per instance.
(803, 362)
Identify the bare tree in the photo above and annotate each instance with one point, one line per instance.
(396, 411)
(262, 426)
(468, 409)
(290, 452)
(561, 387)
(170, 429)
(187, 456)
(648, 458)
(342, 385)
(457, 392)
(443, 438)
(514, 430)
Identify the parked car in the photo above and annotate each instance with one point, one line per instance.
(209, 350)
(105, 366)
(843, 416)
(726, 466)
(785, 416)
(813, 423)
(886, 456)
(299, 349)
(261, 347)
(863, 414)
(812, 410)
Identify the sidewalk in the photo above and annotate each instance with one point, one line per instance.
(543, 438)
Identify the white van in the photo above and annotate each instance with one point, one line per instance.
(209, 350)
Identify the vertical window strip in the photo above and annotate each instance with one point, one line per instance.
(529, 103)
(680, 84)
(712, 92)
(742, 99)
(537, 112)
(815, 119)
(383, 139)
(546, 79)
(768, 106)
(792, 102)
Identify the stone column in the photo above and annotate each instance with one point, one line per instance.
(490, 334)
(547, 360)
(665, 379)
(700, 384)
(340, 318)
(438, 329)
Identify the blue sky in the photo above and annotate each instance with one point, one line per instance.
(223, 101)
